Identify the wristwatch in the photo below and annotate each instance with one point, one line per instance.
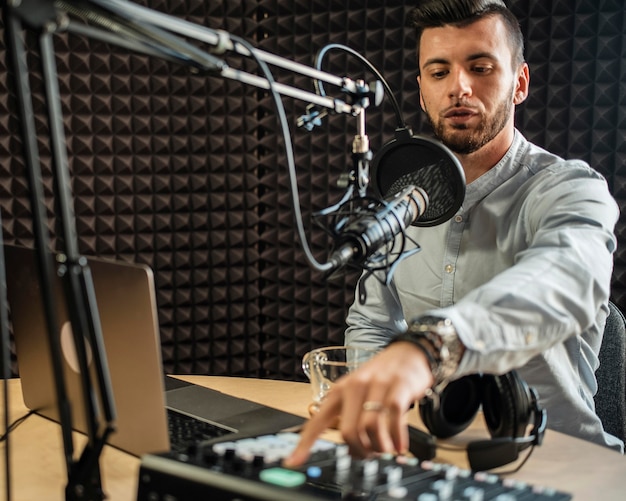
(438, 340)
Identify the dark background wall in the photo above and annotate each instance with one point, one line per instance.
(188, 175)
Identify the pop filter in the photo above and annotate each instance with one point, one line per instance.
(424, 163)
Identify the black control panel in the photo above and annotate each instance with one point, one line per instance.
(250, 469)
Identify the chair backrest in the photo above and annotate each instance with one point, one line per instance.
(610, 399)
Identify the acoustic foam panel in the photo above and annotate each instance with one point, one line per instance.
(188, 174)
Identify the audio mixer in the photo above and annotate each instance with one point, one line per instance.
(250, 469)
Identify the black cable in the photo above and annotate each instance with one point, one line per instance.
(319, 86)
(515, 469)
(11, 427)
(291, 164)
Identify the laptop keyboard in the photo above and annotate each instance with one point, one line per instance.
(186, 431)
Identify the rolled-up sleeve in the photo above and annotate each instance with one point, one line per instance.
(558, 282)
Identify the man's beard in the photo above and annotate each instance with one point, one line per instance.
(473, 140)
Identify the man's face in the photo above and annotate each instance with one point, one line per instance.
(467, 83)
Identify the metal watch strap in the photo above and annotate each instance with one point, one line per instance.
(438, 339)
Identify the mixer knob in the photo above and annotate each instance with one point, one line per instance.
(343, 463)
(427, 496)
(473, 494)
(393, 474)
(342, 450)
(397, 492)
(444, 488)
(370, 467)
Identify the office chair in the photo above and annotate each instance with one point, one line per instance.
(610, 399)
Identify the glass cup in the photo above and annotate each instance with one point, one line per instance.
(323, 366)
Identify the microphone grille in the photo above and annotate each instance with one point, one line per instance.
(425, 164)
(434, 180)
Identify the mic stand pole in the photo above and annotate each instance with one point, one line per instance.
(84, 481)
(361, 157)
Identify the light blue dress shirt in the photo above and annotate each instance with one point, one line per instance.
(523, 270)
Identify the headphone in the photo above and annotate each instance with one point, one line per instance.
(509, 405)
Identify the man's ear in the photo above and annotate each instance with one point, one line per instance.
(420, 91)
(522, 86)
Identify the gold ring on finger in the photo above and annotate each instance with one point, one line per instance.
(372, 406)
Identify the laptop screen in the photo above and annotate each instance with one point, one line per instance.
(126, 303)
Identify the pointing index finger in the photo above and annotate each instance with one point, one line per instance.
(313, 428)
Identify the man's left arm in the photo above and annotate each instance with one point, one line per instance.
(556, 286)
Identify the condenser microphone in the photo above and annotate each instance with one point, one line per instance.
(377, 226)
(428, 164)
(419, 182)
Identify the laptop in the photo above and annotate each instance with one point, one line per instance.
(144, 397)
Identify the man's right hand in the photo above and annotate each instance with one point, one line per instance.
(371, 403)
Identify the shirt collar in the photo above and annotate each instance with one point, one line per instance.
(506, 168)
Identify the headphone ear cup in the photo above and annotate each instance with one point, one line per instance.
(507, 405)
(458, 404)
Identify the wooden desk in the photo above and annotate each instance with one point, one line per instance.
(586, 470)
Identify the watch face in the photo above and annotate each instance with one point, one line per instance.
(441, 336)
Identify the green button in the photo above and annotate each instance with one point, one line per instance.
(283, 477)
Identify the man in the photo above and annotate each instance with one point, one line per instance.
(518, 279)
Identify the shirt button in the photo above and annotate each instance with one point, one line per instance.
(449, 268)
(458, 218)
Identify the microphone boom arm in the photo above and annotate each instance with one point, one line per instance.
(151, 27)
(150, 32)
(150, 24)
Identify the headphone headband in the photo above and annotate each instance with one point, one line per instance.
(509, 405)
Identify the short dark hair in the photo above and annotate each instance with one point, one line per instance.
(438, 13)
